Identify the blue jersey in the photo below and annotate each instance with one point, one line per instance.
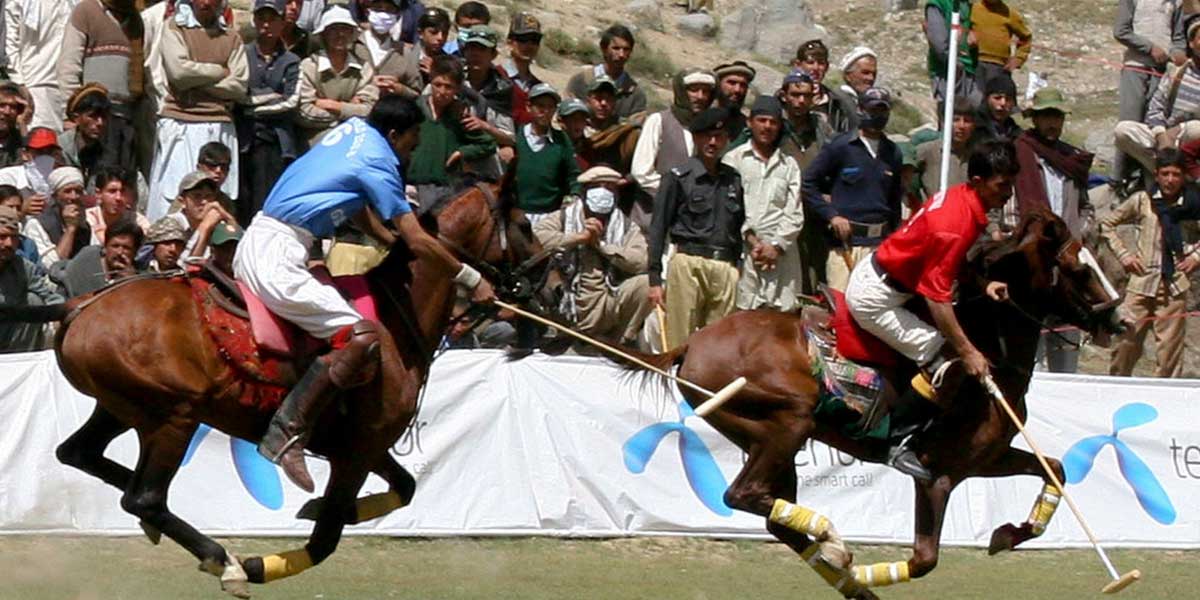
(351, 166)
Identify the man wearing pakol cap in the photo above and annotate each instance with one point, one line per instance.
(665, 141)
(546, 167)
(61, 230)
(206, 72)
(860, 172)
(103, 47)
(1054, 176)
(733, 84)
(860, 67)
(699, 210)
(616, 46)
(33, 41)
(1173, 117)
(89, 144)
(774, 214)
(265, 119)
(603, 261)
(22, 283)
(166, 239)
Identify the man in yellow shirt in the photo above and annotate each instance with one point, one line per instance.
(994, 25)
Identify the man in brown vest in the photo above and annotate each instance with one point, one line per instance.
(206, 69)
(664, 142)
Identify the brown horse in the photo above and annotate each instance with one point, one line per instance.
(142, 351)
(773, 417)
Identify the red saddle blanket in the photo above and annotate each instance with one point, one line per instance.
(262, 349)
(855, 343)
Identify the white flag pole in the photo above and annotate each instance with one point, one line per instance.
(948, 100)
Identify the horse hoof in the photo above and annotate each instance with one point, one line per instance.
(152, 532)
(834, 551)
(234, 580)
(311, 509)
(1008, 536)
(865, 594)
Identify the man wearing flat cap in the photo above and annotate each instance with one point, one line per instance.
(860, 172)
(733, 84)
(774, 215)
(22, 283)
(699, 207)
(602, 258)
(665, 142)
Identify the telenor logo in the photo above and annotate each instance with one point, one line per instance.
(703, 475)
(258, 475)
(1080, 458)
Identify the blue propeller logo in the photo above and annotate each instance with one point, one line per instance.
(703, 475)
(1080, 458)
(258, 475)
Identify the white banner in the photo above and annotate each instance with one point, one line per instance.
(576, 447)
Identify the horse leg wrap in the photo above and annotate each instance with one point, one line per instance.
(881, 574)
(1044, 508)
(839, 579)
(292, 562)
(377, 505)
(809, 522)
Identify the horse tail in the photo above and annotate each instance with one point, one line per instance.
(662, 362)
(49, 313)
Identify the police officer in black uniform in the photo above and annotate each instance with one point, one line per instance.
(699, 204)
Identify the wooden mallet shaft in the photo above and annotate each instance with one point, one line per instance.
(714, 399)
(1119, 581)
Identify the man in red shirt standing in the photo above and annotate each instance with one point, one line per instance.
(923, 258)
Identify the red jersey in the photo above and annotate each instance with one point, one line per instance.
(927, 252)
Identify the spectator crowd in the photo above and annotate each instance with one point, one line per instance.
(137, 135)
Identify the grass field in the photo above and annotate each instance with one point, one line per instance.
(60, 568)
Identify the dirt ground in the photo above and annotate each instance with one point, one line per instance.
(95, 568)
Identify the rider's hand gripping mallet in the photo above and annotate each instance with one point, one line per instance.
(1119, 581)
(715, 399)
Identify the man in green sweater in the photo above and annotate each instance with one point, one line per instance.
(546, 166)
(437, 162)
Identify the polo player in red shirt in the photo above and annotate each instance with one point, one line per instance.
(923, 259)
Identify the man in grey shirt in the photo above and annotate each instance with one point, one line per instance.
(22, 283)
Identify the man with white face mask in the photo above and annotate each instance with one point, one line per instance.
(603, 261)
(380, 44)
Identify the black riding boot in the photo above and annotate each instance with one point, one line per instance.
(911, 415)
(284, 442)
(353, 362)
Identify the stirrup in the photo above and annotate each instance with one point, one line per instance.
(287, 445)
(904, 459)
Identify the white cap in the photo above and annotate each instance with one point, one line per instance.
(854, 55)
(335, 15)
(704, 77)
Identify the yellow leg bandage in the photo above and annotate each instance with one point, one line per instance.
(1044, 508)
(377, 505)
(798, 518)
(881, 574)
(278, 566)
(922, 385)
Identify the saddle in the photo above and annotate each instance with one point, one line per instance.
(853, 367)
(267, 352)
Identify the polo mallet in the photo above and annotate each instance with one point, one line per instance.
(662, 327)
(715, 399)
(1119, 582)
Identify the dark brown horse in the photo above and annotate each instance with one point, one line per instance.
(772, 418)
(142, 351)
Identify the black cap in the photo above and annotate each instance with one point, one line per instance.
(1000, 85)
(767, 105)
(711, 119)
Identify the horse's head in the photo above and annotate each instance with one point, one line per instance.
(484, 228)
(1049, 271)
